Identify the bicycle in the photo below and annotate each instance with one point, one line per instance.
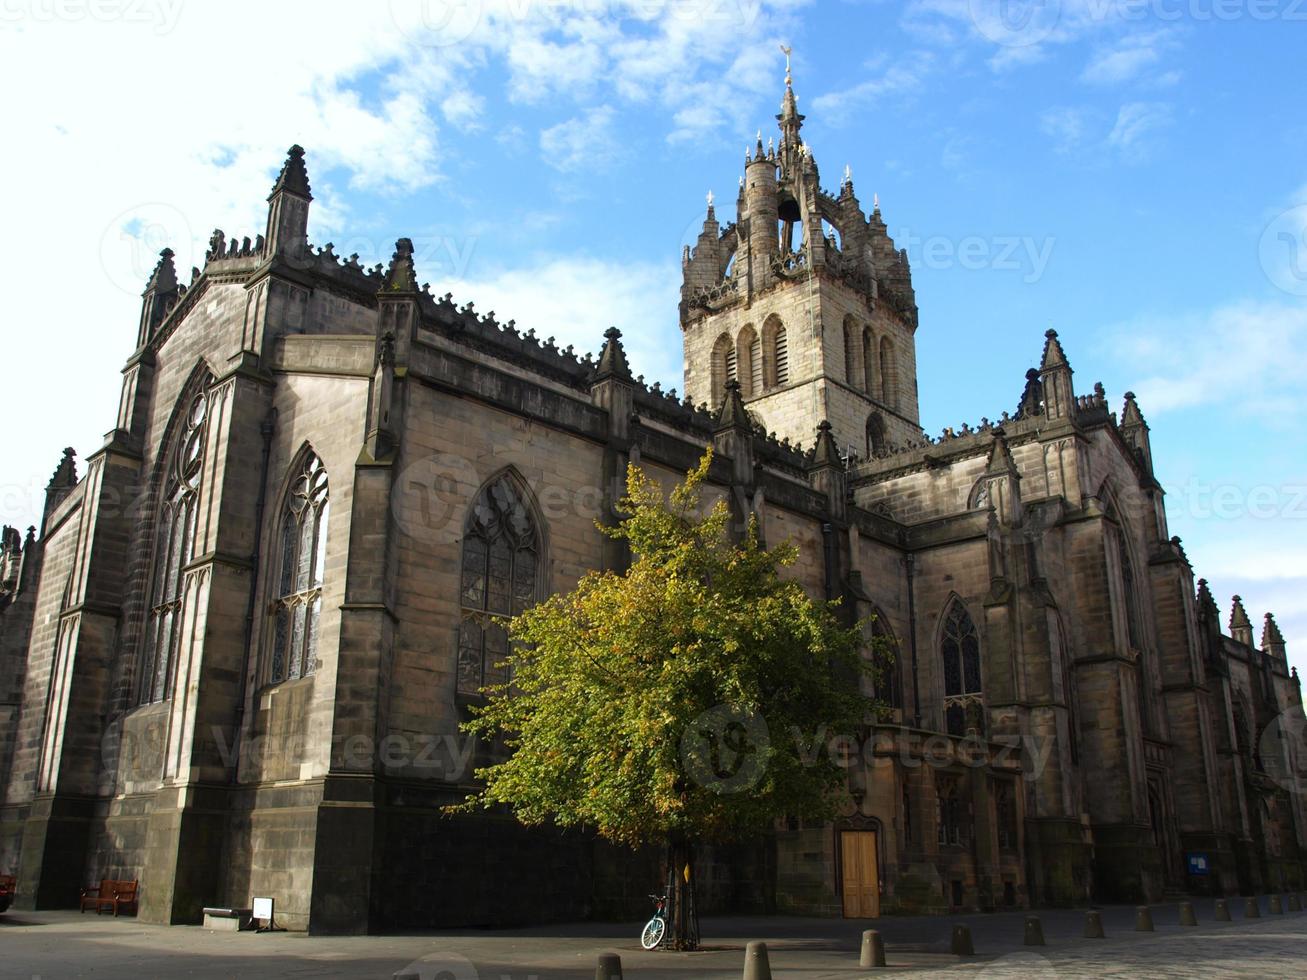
(655, 928)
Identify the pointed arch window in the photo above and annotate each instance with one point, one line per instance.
(500, 578)
(875, 436)
(749, 352)
(722, 368)
(850, 352)
(886, 688)
(1134, 632)
(775, 353)
(174, 549)
(868, 361)
(964, 704)
(889, 380)
(302, 552)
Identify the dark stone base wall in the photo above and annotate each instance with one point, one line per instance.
(1060, 864)
(1127, 864)
(12, 819)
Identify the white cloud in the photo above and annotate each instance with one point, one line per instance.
(887, 78)
(1066, 125)
(1127, 56)
(577, 299)
(1136, 125)
(586, 143)
(1249, 356)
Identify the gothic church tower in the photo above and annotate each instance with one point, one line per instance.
(804, 302)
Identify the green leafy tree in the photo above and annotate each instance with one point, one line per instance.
(673, 703)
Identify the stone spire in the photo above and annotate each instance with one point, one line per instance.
(826, 453)
(1135, 431)
(288, 207)
(160, 291)
(401, 276)
(1004, 480)
(294, 176)
(732, 414)
(612, 359)
(791, 121)
(60, 486)
(1206, 603)
(1055, 375)
(1241, 629)
(1272, 638)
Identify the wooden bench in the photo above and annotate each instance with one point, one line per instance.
(6, 891)
(112, 894)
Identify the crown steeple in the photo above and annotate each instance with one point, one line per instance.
(762, 297)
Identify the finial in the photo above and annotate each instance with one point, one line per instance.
(875, 202)
(710, 200)
(741, 182)
(787, 50)
(848, 174)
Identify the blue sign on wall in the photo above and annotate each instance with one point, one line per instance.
(1198, 864)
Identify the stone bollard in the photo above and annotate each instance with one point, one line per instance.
(1295, 903)
(756, 964)
(1222, 913)
(1143, 919)
(1187, 916)
(1094, 924)
(1034, 931)
(1274, 905)
(1251, 910)
(873, 949)
(962, 941)
(609, 968)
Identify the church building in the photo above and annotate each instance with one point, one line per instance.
(236, 653)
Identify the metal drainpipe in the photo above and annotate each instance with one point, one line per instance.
(909, 562)
(266, 430)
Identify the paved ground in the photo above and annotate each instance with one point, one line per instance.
(49, 945)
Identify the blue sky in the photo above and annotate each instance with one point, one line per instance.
(1133, 174)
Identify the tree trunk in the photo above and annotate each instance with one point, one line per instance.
(683, 915)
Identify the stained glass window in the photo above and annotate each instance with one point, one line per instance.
(500, 577)
(297, 609)
(174, 549)
(960, 646)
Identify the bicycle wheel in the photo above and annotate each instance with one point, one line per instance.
(653, 932)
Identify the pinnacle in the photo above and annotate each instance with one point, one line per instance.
(732, 414)
(1271, 635)
(1239, 616)
(294, 176)
(164, 277)
(1054, 357)
(65, 474)
(825, 453)
(612, 359)
(400, 277)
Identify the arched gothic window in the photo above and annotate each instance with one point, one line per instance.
(886, 688)
(776, 353)
(500, 577)
(1133, 630)
(868, 361)
(889, 379)
(964, 704)
(297, 609)
(749, 351)
(851, 346)
(875, 436)
(174, 549)
(723, 368)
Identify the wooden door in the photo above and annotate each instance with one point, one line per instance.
(861, 874)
